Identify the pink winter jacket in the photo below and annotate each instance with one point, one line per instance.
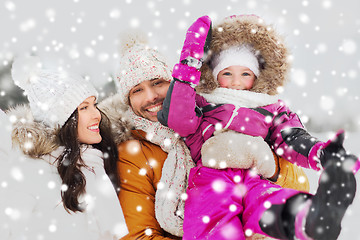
(190, 115)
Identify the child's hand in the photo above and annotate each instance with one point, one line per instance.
(196, 45)
(333, 150)
(197, 41)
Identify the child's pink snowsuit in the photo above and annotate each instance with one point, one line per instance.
(226, 204)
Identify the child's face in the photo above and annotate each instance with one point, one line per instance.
(236, 77)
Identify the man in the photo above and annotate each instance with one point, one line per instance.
(142, 84)
(155, 163)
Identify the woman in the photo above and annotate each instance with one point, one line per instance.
(71, 159)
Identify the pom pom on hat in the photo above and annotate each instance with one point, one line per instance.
(24, 70)
(138, 63)
(131, 39)
(53, 95)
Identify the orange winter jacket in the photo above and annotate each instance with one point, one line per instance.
(140, 165)
(291, 176)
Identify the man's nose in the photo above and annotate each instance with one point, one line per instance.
(151, 94)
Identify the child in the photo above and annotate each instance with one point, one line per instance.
(231, 203)
(69, 149)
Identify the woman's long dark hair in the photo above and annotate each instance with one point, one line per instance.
(69, 163)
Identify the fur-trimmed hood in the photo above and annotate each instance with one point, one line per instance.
(34, 139)
(249, 29)
(115, 110)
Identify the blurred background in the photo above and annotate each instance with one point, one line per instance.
(82, 36)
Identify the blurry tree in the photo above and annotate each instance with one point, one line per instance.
(10, 94)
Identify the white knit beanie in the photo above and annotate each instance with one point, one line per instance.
(242, 55)
(53, 95)
(138, 63)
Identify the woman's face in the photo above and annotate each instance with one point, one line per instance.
(88, 122)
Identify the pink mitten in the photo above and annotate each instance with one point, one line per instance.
(196, 45)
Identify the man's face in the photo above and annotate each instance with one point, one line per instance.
(146, 98)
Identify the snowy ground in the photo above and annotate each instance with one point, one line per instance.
(350, 222)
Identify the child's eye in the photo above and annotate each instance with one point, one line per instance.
(227, 73)
(246, 74)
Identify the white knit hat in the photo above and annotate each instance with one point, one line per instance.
(53, 95)
(138, 63)
(242, 55)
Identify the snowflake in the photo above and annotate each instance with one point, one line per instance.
(304, 18)
(280, 151)
(135, 22)
(206, 219)
(17, 174)
(248, 232)
(115, 13)
(50, 14)
(322, 48)
(51, 184)
(299, 77)
(252, 4)
(240, 190)
(52, 228)
(133, 147)
(13, 213)
(218, 186)
(228, 231)
(64, 187)
(327, 4)
(232, 208)
(184, 196)
(302, 179)
(139, 208)
(327, 103)
(160, 185)
(237, 179)
(148, 232)
(10, 6)
(103, 57)
(142, 172)
(27, 25)
(348, 47)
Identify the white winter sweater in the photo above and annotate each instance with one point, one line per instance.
(30, 198)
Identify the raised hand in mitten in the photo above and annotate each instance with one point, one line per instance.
(196, 45)
(333, 150)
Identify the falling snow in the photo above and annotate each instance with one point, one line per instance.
(323, 85)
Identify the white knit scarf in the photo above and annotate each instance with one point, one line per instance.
(239, 98)
(170, 195)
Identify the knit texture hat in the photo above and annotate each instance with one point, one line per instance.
(138, 63)
(53, 95)
(242, 55)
